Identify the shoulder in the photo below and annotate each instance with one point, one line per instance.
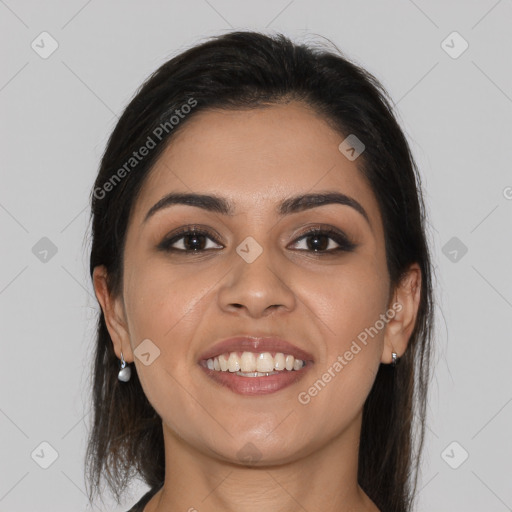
(139, 506)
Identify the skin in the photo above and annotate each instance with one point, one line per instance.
(186, 303)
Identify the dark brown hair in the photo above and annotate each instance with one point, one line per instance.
(249, 70)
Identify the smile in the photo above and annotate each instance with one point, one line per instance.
(250, 373)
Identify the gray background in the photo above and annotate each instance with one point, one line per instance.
(57, 113)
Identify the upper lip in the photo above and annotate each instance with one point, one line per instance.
(247, 343)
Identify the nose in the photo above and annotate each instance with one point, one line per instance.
(258, 288)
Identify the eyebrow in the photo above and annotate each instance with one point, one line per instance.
(295, 204)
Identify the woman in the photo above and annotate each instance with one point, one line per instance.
(260, 258)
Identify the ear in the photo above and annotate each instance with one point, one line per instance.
(405, 302)
(115, 315)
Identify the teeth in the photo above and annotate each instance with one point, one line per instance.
(254, 365)
(233, 362)
(279, 361)
(297, 364)
(223, 362)
(265, 362)
(256, 374)
(248, 362)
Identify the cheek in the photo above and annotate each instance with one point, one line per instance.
(346, 300)
(165, 306)
(161, 301)
(348, 304)
(168, 304)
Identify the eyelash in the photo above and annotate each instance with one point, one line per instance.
(343, 242)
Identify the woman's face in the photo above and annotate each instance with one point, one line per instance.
(256, 276)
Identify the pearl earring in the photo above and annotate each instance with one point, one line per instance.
(125, 372)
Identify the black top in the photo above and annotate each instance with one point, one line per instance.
(139, 506)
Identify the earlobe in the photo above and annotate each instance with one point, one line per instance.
(113, 311)
(405, 302)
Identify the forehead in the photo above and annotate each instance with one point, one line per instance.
(255, 158)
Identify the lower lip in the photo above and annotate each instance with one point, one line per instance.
(257, 385)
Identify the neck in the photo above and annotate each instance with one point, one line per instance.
(325, 478)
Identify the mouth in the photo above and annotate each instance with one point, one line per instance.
(255, 366)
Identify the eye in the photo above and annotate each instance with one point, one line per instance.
(320, 240)
(195, 240)
(189, 240)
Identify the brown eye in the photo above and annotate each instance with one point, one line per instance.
(321, 241)
(189, 240)
(193, 240)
